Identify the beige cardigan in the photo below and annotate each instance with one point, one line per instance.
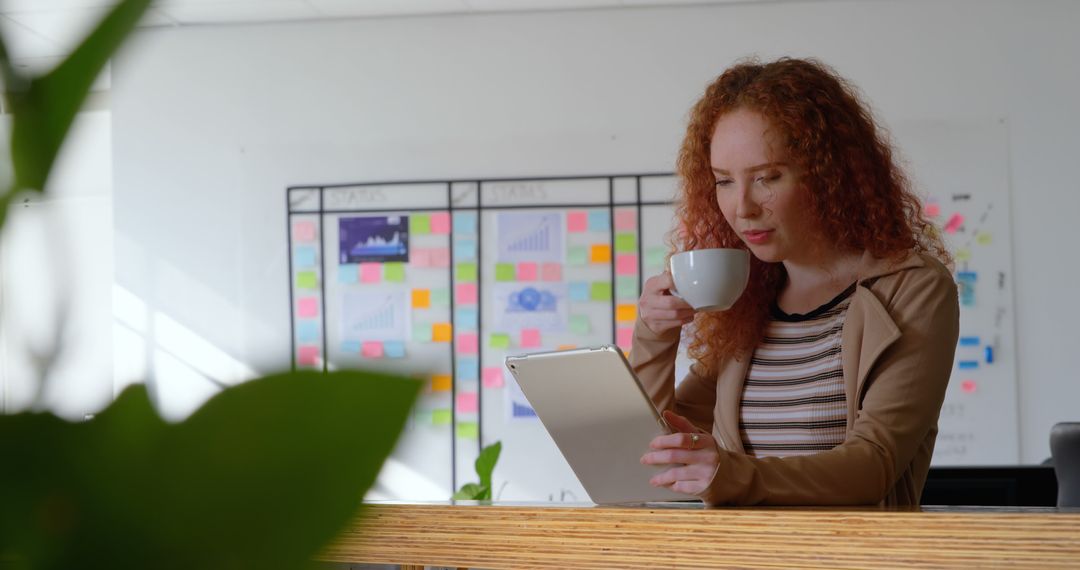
(897, 348)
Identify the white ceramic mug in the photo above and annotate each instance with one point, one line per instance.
(710, 279)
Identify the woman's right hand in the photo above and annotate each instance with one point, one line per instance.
(659, 309)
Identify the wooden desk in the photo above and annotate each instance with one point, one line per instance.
(505, 535)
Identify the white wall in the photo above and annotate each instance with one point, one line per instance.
(211, 124)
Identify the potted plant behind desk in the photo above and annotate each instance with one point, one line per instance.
(262, 476)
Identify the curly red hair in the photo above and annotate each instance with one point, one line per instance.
(861, 199)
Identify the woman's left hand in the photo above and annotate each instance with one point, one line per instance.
(691, 451)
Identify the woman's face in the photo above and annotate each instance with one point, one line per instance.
(758, 190)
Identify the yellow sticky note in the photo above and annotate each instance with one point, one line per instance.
(626, 313)
(441, 417)
(441, 332)
(468, 430)
(600, 253)
(963, 254)
(441, 383)
(984, 238)
(421, 298)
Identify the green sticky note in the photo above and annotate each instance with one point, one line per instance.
(421, 332)
(419, 224)
(579, 324)
(654, 257)
(626, 287)
(468, 430)
(466, 272)
(600, 291)
(577, 255)
(440, 297)
(393, 271)
(504, 272)
(307, 280)
(441, 417)
(626, 243)
(499, 340)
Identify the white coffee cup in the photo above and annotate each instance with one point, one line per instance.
(710, 279)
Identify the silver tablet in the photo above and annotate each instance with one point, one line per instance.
(595, 409)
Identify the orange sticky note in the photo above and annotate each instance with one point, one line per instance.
(600, 253)
(567, 347)
(441, 383)
(530, 338)
(421, 298)
(441, 332)
(626, 313)
(371, 349)
(526, 271)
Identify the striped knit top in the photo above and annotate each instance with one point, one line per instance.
(793, 400)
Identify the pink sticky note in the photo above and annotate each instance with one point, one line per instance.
(420, 257)
(577, 221)
(625, 337)
(530, 338)
(493, 377)
(626, 264)
(440, 257)
(304, 231)
(370, 272)
(954, 223)
(551, 272)
(468, 343)
(440, 223)
(625, 220)
(468, 403)
(969, 386)
(526, 271)
(308, 355)
(307, 307)
(466, 294)
(932, 209)
(371, 349)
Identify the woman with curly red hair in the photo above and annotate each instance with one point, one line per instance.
(823, 383)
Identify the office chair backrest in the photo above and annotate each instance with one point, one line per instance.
(1065, 449)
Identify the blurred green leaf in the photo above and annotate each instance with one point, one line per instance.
(262, 476)
(44, 107)
(472, 492)
(485, 464)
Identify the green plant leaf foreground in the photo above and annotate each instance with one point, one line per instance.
(262, 476)
(472, 492)
(485, 465)
(45, 107)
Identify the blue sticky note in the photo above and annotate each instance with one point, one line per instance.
(464, 250)
(522, 411)
(579, 291)
(969, 341)
(968, 364)
(599, 221)
(464, 223)
(468, 369)
(989, 355)
(307, 331)
(350, 347)
(465, 319)
(393, 348)
(348, 273)
(304, 257)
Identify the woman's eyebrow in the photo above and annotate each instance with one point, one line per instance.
(751, 169)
